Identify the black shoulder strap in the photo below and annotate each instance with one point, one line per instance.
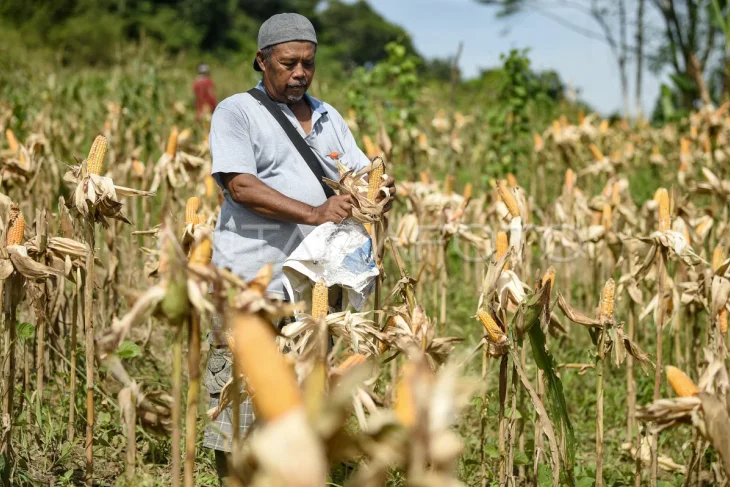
(301, 146)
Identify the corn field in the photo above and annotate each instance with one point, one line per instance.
(561, 324)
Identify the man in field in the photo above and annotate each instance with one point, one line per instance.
(270, 148)
(204, 92)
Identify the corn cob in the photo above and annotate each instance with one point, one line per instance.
(371, 149)
(352, 361)
(210, 186)
(191, 210)
(95, 161)
(405, 408)
(664, 222)
(12, 141)
(538, 142)
(423, 141)
(511, 180)
(449, 185)
(202, 253)
(425, 179)
(16, 227)
(569, 180)
(603, 126)
(684, 147)
(597, 154)
(682, 385)
(320, 300)
(494, 332)
(171, 149)
(706, 146)
(556, 128)
(467, 192)
(137, 167)
(502, 247)
(615, 194)
(606, 215)
(718, 257)
(607, 300)
(375, 177)
(581, 116)
(549, 277)
(508, 198)
(274, 387)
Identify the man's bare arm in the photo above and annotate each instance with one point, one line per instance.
(249, 191)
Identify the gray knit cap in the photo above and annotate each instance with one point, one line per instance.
(284, 28)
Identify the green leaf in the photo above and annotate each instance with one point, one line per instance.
(544, 476)
(585, 482)
(25, 331)
(128, 350)
(557, 407)
(683, 82)
(521, 459)
(491, 451)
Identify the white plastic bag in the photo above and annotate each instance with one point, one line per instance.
(342, 254)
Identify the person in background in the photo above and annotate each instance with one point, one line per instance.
(204, 91)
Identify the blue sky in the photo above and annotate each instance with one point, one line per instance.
(437, 27)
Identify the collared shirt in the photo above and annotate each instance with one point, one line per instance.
(246, 139)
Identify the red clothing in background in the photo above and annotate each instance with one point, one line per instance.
(204, 94)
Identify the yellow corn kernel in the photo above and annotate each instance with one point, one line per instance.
(606, 216)
(511, 180)
(664, 222)
(320, 300)
(352, 361)
(95, 161)
(12, 141)
(508, 198)
(494, 332)
(274, 388)
(16, 227)
(682, 385)
(202, 252)
(171, 149)
(375, 177)
(449, 185)
(607, 300)
(191, 210)
(597, 154)
(603, 126)
(210, 186)
(502, 247)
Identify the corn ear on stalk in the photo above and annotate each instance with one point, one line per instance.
(449, 185)
(171, 149)
(375, 177)
(405, 407)
(467, 191)
(682, 385)
(493, 331)
(320, 299)
(209, 186)
(606, 216)
(508, 198)
(607, 300)
(95, 161)
(12, 141)
(664, 221)
(549, 277)
(597, 154)
(191, 210)
(425, 179)
(502, 247)
(274, 388)
(16, 227)
(137, 167)
(569, 180)
(202, 253)
(511, 180)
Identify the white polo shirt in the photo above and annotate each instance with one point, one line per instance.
(246, 139)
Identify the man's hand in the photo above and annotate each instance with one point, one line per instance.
(390, 184)
(335, 209)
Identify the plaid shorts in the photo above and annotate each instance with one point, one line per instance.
(219, 432)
